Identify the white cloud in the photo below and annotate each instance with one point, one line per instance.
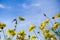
(5, 7)
(36, 4)
(2, 6)
(24, 5)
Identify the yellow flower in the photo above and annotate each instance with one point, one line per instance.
(27, 39)
(22, 33)
(11, 32)
(17, 39)
(55, 25)
(46, 21)
(32, 27)
(56, 16)
(46, 35)
(20, 37)
(2, 25)
(21, 18)
(32, 39)
(43, 24)
(51, 35)
(33, 36)
(53, 38)
(46, 30)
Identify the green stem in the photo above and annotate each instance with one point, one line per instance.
(40, 35)
(4, 34)
(15, 26)
(0, 37)
(35, 34)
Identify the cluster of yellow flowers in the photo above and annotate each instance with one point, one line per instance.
(21, 35)
(33, 37)
(48, 34)
(2, 25)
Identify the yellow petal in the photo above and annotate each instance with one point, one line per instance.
(32, 27)
(21, 18)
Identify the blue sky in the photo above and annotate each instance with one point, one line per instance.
(31, 10)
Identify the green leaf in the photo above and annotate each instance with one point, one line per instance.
(8, 38)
